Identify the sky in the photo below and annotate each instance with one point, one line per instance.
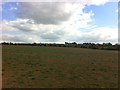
(92, 21)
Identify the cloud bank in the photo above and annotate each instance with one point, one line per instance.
(56, 22)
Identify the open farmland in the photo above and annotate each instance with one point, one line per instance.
(58, 67)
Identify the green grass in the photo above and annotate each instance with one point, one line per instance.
(56, 67)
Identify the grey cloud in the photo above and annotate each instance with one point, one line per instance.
(23, 28)
(15, 38)
(24, 31)
(52, 36)
(22, 25)
(18, 39)
(44, 13)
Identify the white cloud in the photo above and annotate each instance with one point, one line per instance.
(40, 32)
(101, 34)
(98, 2)
(13, 8)
(58, 33)
(97, 35)
(116, 10)
(56, 23)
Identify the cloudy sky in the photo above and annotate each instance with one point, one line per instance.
(93, 21)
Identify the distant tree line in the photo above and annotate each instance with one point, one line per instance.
(103, 46)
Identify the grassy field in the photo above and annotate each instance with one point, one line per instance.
(58, 67)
